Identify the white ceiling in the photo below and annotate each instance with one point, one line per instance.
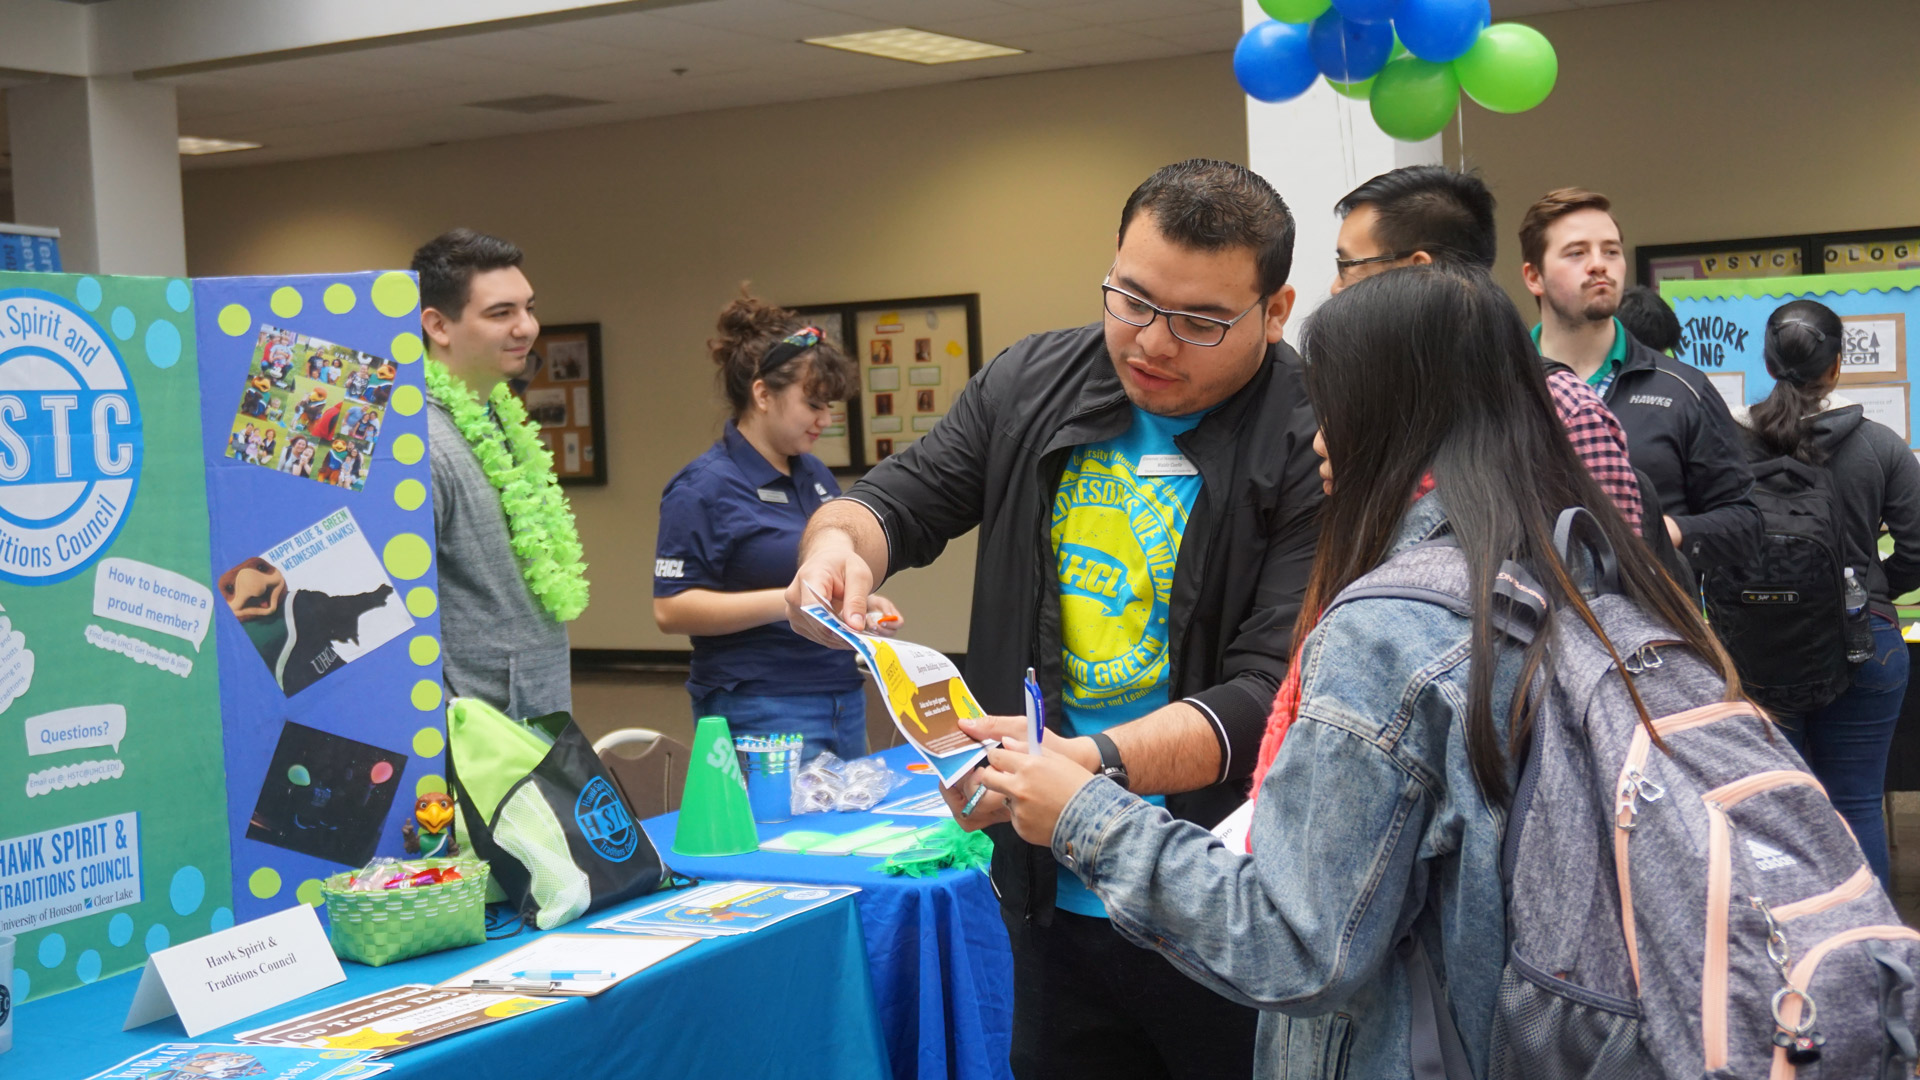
(689, 58)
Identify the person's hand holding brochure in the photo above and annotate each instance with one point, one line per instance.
(924, 693)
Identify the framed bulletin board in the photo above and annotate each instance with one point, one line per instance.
(914, 355)
(563, 394)
(1780, 256)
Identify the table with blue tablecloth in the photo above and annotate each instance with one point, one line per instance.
(941, 966)
(792, 1000)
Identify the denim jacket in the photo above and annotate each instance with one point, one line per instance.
(1370, 827)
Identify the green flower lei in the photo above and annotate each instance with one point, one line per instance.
(518, 465)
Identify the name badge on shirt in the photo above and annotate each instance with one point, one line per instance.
(820, 490)
(1165, 465)
(769, 495)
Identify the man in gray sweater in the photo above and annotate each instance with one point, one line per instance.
(500, 643)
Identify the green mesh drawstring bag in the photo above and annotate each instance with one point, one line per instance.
(948, 845)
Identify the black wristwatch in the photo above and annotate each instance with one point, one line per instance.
(1111, 766)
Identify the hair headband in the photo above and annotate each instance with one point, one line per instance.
(787, 348)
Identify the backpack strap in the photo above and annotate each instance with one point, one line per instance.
(1434, 1048)
(1520, 603)
(1577, 525)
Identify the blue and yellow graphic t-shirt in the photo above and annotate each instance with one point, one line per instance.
(1117, 522)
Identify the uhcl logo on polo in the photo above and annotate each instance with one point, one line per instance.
(70, 443)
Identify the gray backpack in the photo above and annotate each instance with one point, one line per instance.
(1698, 911)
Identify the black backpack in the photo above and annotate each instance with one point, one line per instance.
(1784, 618)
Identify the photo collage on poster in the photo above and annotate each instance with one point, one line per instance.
(311, 408)
(914, 361)
(558, 390)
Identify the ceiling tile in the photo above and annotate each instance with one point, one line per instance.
(1004, 29)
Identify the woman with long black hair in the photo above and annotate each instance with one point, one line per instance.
(1876, 482)
(1383, 809)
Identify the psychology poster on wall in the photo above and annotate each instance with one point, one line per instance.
(113, 838)
(313, 435)
(1723, 332)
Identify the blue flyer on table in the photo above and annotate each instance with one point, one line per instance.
(218, 1061)
(725, 908)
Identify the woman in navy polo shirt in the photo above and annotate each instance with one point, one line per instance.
(730, 526)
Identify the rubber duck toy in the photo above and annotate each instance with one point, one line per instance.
(430, 833)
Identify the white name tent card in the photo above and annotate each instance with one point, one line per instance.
(214, 980)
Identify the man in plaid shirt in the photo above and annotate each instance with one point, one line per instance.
(1425, 214)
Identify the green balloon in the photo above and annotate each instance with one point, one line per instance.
(1295, 11)
(297, 775)
(1358, 91)
(1510, 69)
(1413, 98)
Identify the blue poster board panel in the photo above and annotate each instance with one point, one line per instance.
(313, 423)
(1723, 330)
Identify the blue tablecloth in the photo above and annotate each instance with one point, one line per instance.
(709, 1012)
(942, 969)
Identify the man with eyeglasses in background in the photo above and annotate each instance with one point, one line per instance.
(1147, 497)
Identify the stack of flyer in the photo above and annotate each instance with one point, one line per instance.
(724, 909)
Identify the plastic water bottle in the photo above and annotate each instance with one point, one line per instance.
(1859, 646)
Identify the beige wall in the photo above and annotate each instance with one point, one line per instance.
(1704, 119)
(1007, 187)
(1719, 119)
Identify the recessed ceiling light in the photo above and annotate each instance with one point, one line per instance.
(536, 103)
(195, 145)
(918, 46)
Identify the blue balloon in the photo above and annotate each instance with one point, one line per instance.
(1272, 61)
(1347, 51)
(1366, 10)
(1441, 30)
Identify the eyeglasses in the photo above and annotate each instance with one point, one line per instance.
(1343, 265)
(1188, 327)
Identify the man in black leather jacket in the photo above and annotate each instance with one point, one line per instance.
(1146, 494)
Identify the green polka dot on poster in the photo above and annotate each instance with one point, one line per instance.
(286, 302)
(406, 347)
(87, 966)
(163, 343)
(426, 695)
(395, 294)
(120, 929)
(409, 494)
(87, 291)
(158, 937)
(264, 882)
(179, 295)
(424, 650)
(309, 893)
(235, 320)
(421, 602)
(53, 950)
(408, 449)
(428, 784)
(407, 400)
(339, 298)
(428, 742)
(123, 323)
(407, 556)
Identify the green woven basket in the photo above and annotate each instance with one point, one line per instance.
(380, 926)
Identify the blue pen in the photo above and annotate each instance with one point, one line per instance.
(1036, 711)
(565, 976)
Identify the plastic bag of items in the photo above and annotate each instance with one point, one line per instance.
(827, 783)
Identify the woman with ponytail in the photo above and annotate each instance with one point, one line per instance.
(730, 525)
(1877, 484)
(1390, 770)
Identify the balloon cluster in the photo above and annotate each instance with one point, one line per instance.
(1409, 59)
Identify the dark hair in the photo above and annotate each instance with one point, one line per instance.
(1215, 205)
(1648, 318)
(1447, 214)
(1803, 342)
(1550, 208)
(748, 329)
(446, 265)
(1429, 370)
